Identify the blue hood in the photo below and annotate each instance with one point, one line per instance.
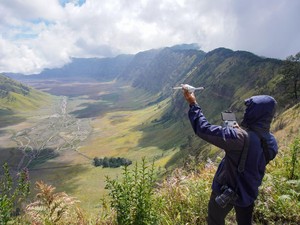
(259, 112)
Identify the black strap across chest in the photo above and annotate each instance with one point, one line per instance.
(264, 144)
(241, 166)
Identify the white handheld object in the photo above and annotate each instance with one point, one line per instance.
(190, 88)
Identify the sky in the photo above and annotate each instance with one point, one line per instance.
(39, 34)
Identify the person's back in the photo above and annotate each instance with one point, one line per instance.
(256, 125)
(256, 122)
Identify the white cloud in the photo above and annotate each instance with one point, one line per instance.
(19, 58)
(38, 34)
(268, 29)
(31, 9)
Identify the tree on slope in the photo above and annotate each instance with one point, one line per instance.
(291, 72)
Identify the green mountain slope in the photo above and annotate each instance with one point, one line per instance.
(8, 85)
(229, 77)
(16, 98)
(167, 68)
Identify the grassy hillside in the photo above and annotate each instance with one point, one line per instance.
(166, 69)
(16, 96)
(16, 99)
(230, 77)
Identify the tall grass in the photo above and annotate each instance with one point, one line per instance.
(52, 208)
(185, 196)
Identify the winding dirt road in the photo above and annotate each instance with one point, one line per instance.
(58, 132)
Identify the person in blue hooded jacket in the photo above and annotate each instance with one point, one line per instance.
(236, 189)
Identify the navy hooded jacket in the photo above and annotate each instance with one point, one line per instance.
(258, 116)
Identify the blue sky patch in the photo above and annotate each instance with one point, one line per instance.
(75, 2)
(40, 20)
(26, 31)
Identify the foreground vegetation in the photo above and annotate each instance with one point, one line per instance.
(181, 198)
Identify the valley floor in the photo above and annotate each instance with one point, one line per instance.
(58, 142)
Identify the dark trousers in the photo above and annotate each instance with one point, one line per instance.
(216, 214)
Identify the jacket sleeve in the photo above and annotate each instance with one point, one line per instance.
(222, 137)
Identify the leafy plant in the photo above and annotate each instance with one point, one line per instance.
(12, 193)
(278, 201)
(133, 197)
(279, 196)
(294, 165)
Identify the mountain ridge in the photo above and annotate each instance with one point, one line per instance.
(101, 69)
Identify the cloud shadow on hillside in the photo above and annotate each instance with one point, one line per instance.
(63, 176)
(7, 118)
(60, 174)
(11, 156)
(90, 110)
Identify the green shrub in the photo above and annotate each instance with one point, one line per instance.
(279, 196)
(293, 164)
(133, 197)
(278, 201)
(12, 193)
